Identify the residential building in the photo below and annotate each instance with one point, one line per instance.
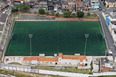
(94, 4)
(79, 5)
(72, 5)
(96, 63)
(2, 6)
(17, 2)
(57, 5)
(110, 3)
(43, 4)
(50, 5)
(65, 6)
(107, 64)
(5, 11)
(82, 5)
(31, 4)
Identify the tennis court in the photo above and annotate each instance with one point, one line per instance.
(51, 37)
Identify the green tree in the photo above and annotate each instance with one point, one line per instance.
(88, 14)
(80, 14)
(41, 11)
(57, 14)
(73, 15)
(14, 10)
(67, 14)
(47, 13)
(22, 7)
(26, 8)
(52, 12)
(104, 3)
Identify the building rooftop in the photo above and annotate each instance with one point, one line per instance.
(3, 17)
(1, 27)
(55, 59)
(50, 59)
(73, 57)
(2, 5)
(110, 0)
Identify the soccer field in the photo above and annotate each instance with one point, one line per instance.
(49, 37)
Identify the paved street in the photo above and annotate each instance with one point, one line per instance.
(107, 35)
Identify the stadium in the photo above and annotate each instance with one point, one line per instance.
(50, 37)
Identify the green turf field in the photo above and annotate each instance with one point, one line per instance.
(51, 37)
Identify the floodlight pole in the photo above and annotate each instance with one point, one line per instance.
(86, 36)
(30, 36)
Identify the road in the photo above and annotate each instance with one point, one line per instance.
(107, 34)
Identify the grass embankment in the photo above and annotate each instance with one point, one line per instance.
(66, 69)
(92, 16)
(25, 74)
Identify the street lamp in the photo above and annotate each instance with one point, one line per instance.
(86, 36)
(30, 37)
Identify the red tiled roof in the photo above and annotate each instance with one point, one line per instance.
(50, 59)
(55, 59)
(73, 57)
(60, 55)
(30, 58)
(105, 69)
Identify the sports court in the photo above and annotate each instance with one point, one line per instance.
(51, 37)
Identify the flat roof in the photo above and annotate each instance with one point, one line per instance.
(3, 17)
(1, 27)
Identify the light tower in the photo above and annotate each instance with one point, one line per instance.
(86, 36)
(30, 37)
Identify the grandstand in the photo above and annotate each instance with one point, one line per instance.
(51, 37)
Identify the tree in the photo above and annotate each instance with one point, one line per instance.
(80, 14)
(22, 7)
(57, 14)
(14, 10)
(47, 13)
(73, 15)
(88, 14)
(52, 12)
(26, 8)
(104, 3)
(67, 14)
(41, 11)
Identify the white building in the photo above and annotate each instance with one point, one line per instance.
(61, 60)
(94, 4)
